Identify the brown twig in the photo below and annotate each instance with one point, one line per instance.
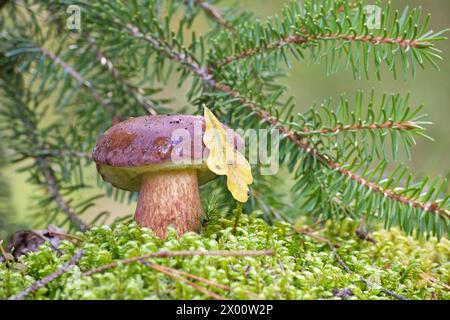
(431, 279)
(407, 125)
(43, 282)
(209, 282)
(169, 271)
(182, 253)
(346, 267)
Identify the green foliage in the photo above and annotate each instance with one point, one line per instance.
(302, 268)
(341, 158)
(5, 201)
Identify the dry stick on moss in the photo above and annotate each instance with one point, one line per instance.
(182, 253)
(346, 267)
(43, 282)
(433, 280)
(170, 272)
(207, 281)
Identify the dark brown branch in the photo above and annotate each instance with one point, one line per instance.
(169, 254)
(346, 267)
(215, 15)
(173, 274)
(43, 282)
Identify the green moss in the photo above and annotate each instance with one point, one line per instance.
(301, 269)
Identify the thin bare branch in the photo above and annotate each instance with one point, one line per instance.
(183, 253)
(169, 271)
(207, 281)
(43, 282)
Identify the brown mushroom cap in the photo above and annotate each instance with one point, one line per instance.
(132, 148)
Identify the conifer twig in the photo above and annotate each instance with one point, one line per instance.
(393, 125)
(43, 282)
(302, 39)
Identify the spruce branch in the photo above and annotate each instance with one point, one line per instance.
(403, 125)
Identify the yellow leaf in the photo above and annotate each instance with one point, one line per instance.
(223, 159)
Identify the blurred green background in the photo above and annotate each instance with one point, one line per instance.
(309, 84)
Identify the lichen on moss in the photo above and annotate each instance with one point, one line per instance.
(302, 267)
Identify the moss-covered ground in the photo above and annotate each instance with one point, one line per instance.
(301, 268)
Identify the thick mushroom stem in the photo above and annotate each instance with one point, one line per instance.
(169, 198)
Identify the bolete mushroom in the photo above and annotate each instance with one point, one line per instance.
(164, 158)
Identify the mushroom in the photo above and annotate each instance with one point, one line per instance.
(164, 158)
